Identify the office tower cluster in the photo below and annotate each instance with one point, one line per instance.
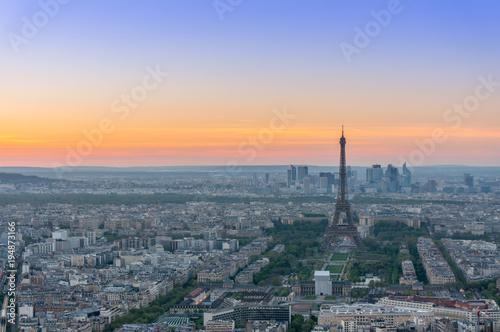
(298, 176)
(480, 185)
(389, 181)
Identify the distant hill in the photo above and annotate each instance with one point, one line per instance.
(12, 178)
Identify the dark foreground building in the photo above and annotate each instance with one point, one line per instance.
(250, 313)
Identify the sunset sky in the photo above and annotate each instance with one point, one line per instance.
(233, 66)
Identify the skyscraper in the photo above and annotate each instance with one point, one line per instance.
(393, 176)
(431, 186)
(323, 182)
(302, 171)
(369, 175)
(374, 176)
(307, 185)
(469, 180)
(378, 173)
(291, 176)
(406, 177)
(293, 172)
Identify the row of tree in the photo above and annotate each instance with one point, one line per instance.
(383, 257)
(146, 315)
(301, 245)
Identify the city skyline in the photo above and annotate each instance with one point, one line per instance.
(259, 83)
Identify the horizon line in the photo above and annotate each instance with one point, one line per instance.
(260, 165)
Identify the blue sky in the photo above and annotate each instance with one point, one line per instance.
(264, 54)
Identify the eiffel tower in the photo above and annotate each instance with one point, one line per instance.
(337, 227)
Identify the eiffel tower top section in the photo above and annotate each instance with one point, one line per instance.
(342, 197)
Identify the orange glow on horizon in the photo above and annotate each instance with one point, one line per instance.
(203, 146)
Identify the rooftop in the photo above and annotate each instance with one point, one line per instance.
(322, 273)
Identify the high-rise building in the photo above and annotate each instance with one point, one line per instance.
(469, 180)
(307, 185)
(406, 177)
(323, 182)
(293, 171)
(374, 176)
(369, 175)
(267, 178)
(353, 179)
(431, 186)
(378, 173)
(289, 180)
(329, 175)
(384, 185)
(302, 171)
(392, 174)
